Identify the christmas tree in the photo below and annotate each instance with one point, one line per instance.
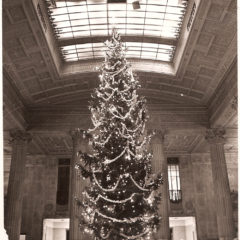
(122, 201)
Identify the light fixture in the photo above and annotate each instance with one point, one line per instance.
(136, 5)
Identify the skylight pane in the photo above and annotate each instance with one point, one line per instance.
(81, 33)
(60, 18)
(165, 46)
(58, 11)
(66, 29)
(71, 59)
(116, 14)
(168, 35)
(98, 45)
(134, 32)
(76, 3)
(174, 2)
(98, 20)
(174, 10)
(133, 53)
(154, 21)
(85, 54)
(97, 14)
(171, 24)
(119, 20)
(82, 50)
(152, 27)
(97, 7)
(70, 47)
(71, 55)
(80, 28)
(136, 14)
(98, 51)
(119, 6)
(156, 8)
(85, 45)
(134, 48)
(64, 24)
(92, 18)
(163, 57)
(60, 4)
(151, 33)
(155, 15)
(137, 44)
(96, 1)
(152, 50)
(69, 51)
(75, 16)
(79, 22)
(76, 9)
(145, 53)
(135, 20)
(99, 32)
(96, 27)
(173, 17)
(150, 45)
(163, 2)
(134, 26)
(66, 35)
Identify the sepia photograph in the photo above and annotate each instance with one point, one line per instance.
(119, 120)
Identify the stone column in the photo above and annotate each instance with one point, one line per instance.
(221, 184)
(159, 164)
(77, 186)
(13, 216)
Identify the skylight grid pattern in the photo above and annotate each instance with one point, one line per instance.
(151, 51)
(161, 19)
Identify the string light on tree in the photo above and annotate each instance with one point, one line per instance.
(123, 198)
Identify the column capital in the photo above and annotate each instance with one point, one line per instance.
(20, 136)
(76, 133)
(215, 135)
(158, 136)
(234, 103)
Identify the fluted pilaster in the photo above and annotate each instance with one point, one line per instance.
(159, 164)
(216, 140)
(77, 186)
(13, 216)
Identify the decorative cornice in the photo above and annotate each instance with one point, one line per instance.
(20, 136)
(215, 135)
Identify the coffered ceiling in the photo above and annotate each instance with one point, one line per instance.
(35, 72)
(43, 93)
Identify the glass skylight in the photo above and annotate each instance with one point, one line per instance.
(156, 19)
(135, 50)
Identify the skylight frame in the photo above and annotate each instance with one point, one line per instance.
(128, 24)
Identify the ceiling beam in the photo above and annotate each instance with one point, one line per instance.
(97, 39)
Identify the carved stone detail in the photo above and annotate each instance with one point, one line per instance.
(76, 133)
(235, 103)
(215, 135)
(159, 135)
(20, 136)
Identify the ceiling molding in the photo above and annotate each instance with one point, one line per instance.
(220, 108)
(14, 110)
